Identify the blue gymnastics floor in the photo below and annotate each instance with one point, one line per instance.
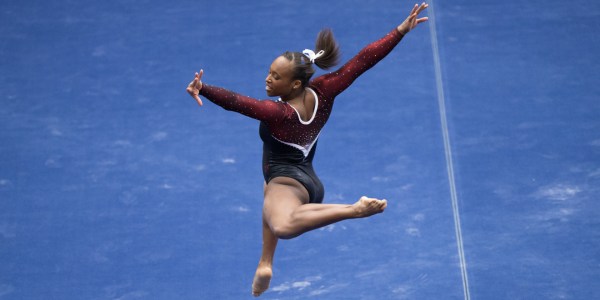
(114, 184)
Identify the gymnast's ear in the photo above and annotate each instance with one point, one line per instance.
(296, 84)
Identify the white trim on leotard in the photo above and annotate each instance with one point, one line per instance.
(314, 110)
(305, 149)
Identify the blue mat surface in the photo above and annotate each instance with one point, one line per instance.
(482, 129)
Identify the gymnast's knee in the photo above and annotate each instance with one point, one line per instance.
(284, 232)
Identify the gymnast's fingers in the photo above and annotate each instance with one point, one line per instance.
(414, 9)
(422, 7)
(198, 100)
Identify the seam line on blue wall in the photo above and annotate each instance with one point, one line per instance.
(447, 149)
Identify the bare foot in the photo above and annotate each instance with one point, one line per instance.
(262, 278)
(365, 206)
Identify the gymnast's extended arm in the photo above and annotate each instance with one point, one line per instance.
(335, 82)
(232, 101)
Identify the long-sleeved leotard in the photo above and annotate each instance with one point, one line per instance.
(290, 142)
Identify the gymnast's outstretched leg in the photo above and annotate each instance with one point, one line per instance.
(264, 271)
(288, 213)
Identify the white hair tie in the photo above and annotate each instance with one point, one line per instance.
(311, 54)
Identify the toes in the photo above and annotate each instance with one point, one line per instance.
(369, 206)
(383, 204)
(257, 291)
(374, 204)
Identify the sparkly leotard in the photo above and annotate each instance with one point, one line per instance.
(289, 143)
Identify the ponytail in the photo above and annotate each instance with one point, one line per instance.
(327, 43)
(302, 62)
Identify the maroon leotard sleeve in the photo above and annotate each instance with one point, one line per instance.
(332, 84)
(265, 110)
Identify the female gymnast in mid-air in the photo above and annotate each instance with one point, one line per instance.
(290, 128)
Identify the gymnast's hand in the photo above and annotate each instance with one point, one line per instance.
(412, 21)
(195, 86)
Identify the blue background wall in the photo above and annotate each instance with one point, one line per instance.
(114, 184)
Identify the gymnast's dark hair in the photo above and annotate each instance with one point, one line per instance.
(302, 67)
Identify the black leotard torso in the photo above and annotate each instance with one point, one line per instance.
(282, 160)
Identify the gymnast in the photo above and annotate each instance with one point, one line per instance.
(289, 129)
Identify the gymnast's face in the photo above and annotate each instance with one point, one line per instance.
(279, 81)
